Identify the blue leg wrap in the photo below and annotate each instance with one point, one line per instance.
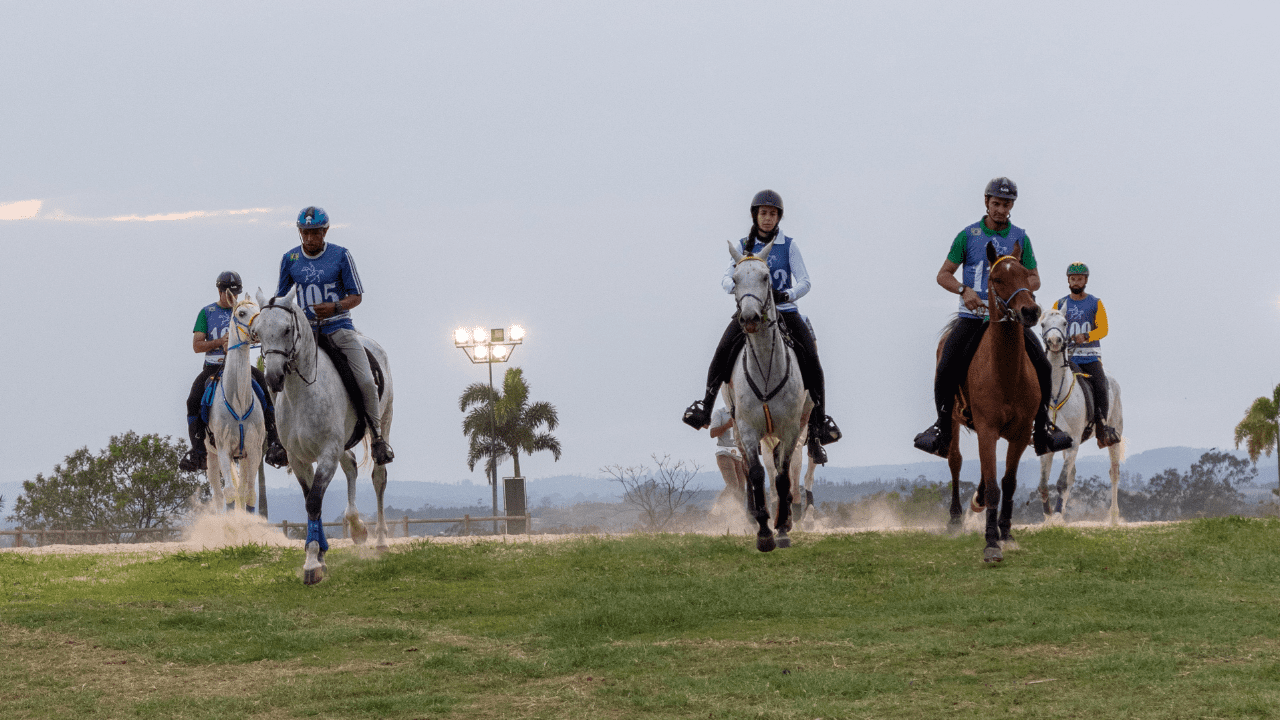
(315, 531)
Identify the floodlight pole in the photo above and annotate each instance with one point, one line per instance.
(493, 430)
(471, 343)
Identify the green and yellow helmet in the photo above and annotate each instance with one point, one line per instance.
(1078, 268)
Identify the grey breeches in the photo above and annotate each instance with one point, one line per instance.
(349, 342)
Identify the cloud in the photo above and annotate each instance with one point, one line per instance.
(21, 210)
(160, 217)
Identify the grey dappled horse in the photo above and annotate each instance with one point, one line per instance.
(237, 426)
(768, 395)
(316, 417)
(1071, 414)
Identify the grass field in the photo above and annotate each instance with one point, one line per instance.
(1175, 621)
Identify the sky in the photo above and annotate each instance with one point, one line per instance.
(577, 168)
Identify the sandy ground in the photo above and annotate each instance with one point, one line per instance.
(210, 532)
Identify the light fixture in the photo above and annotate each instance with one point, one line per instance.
(516, 333)
(461, 336)
(478, 334)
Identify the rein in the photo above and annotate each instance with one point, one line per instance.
(290, 357)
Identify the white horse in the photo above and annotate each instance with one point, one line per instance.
(768, 395)
(236, 424)
(1069, 412)
(316, 420)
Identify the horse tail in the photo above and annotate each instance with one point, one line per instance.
(951, 324)
(364, 461)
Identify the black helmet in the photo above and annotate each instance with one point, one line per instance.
(230, 280)
(1002, 187)
(766, 198)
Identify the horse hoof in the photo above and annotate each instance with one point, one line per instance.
(360, 535)
(784, 541)
(992, 554)
(765, 543)
(382, 548)
(312, 576)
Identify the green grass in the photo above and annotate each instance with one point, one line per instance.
(1176, 621)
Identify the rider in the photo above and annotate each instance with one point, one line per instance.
(328, 288)
(790, 283)
(210, 338)
(1087, 324)
(969, 250)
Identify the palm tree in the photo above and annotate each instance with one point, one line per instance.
(512, 427)
(1260, 428)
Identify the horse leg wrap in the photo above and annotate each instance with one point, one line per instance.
(993, 532)
(315, 532)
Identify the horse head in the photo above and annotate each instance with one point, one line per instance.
(1009, 288)
(752, 287)
(242, 316)
(279, 325)
(1053, 329)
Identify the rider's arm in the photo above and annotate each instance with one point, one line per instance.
(799, 275)
(947, 276)
(201, 345)
(1033, 280)
(1029, 262)
(324, 310)
(726, 282)
(1100, 329)
(286, 280)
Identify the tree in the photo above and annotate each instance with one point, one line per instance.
(1260, 428)
(513, 425)
(133, 482)
(659, 494)
(1210, 488)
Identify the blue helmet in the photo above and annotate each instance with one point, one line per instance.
(312, 218)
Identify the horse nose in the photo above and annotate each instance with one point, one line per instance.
(1031, 315)
(275, 380)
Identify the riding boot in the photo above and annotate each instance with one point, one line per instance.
(276, 456)
(817, 453)
(953, 365)
(936, 440)
(698, 415)
(382, 452)
(196, 458)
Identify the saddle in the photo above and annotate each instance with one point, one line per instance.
(211, 394)
(353, 388)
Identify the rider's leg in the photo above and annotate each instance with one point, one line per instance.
(1045, 436)
(349, 342)
(275, 454)
(1097, 380)
(196, 457)
(822, 429)
(698, 415)
(953, 366)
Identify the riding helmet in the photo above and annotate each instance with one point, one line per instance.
(1078, 268)
(1002, 187)
(230, 280)
(767, 198)
(312, 218)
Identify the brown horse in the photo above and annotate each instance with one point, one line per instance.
(999, 397)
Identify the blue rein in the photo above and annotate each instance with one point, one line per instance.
(253, 401)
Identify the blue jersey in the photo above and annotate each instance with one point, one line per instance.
(213, 321)
(327, 278)
(786, 269)
(970, 250)
(1084, 317)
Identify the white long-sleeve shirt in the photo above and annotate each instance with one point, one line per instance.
(787, 268)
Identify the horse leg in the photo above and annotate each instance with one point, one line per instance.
(758, 504)
(317, 544)
(954, 462)
(809, 514)
(380, 485)
(355, 527)
(1114, 515)
(1068, 479)
(990, 492)
(1008, 487)
(1046, 467)
(219, 472)
(782, 483)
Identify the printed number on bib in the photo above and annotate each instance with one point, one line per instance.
(315, 295)
(1080, 328)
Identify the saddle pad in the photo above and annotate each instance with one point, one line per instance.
(353, 388)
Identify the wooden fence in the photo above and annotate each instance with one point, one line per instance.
(294, 530)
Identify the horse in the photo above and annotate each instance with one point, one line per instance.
(804, 507)
(1002, 393)
(316, 420)
(1070, 412)
(768, 395)
(237, 427)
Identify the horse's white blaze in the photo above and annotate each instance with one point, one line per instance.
(1071, 418)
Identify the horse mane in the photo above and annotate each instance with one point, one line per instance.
(951, 324)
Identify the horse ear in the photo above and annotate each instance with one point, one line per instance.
(991, 253)
(765, 252)
(262, 299)
(1017, 251)
(734, 252)
(291, 297)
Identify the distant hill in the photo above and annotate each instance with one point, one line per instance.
(565, 490)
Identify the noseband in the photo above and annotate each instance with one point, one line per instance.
(290, 357)
(243, 334)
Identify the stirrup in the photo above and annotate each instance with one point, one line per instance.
(1107, 436)
(828, 432)
(276, 456)
(934, 441)
(1050, 439)
(697, 416)
(193, 461)
(382, 452)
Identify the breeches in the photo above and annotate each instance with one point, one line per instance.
(348, 341)
(1098, 383)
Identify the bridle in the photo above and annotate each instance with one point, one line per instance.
(1066, 364)
(244, 334)
(764, 370)
(1006, 312)
(290, 357)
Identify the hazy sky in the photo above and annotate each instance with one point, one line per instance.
(577, 168)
